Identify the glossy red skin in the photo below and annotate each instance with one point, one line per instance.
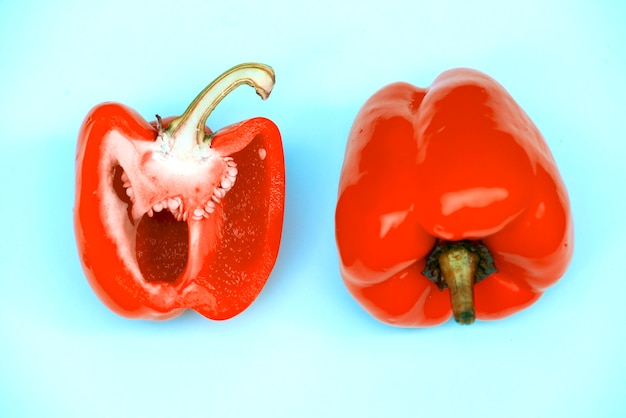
(457, 161)
(236, 265)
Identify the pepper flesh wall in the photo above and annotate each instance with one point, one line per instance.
(459, 165)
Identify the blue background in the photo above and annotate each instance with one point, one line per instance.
(305, 348)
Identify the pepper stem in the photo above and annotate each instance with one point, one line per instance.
(189, 127)
(458, 268)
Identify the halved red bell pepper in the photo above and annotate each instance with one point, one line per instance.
(170, 215)
(449, 200)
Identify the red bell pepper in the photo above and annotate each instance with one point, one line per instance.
(170, 215)
(449, 200)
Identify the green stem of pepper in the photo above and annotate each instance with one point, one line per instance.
(459, 265)
(187, 131)
(458, 268)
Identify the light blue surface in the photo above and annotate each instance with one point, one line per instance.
(305, 348)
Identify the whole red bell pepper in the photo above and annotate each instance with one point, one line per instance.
(170, 215)
(449, 201)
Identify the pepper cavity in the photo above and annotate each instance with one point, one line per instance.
(164, 193)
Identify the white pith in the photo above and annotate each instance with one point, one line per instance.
(188, 186)
(175, 203)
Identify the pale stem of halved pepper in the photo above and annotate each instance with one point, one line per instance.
(187, 131)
